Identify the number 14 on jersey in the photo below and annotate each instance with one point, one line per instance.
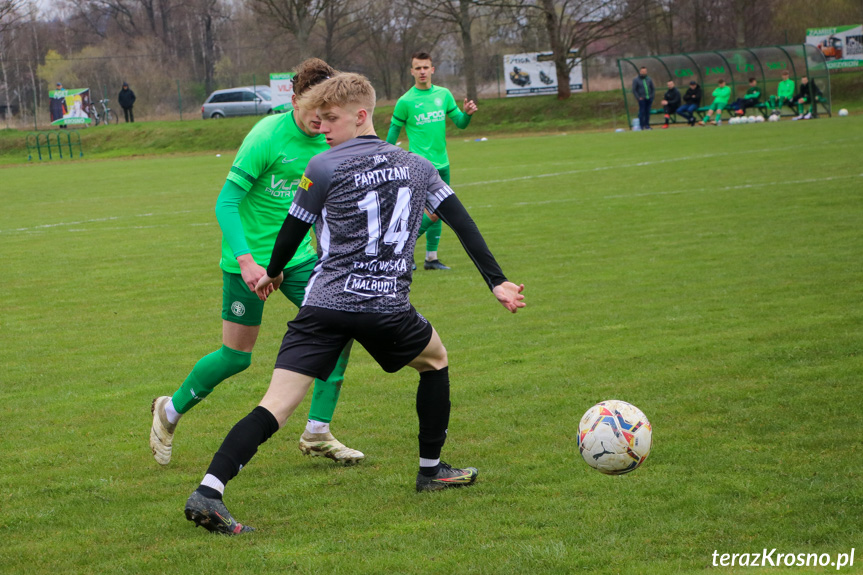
(397, 232)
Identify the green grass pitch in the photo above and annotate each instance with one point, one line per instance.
(710, 276)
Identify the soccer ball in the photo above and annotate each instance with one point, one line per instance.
(750, 119)
(759, 119)
(734, 121)
(843, 112)
(614, 437)
(773, 118)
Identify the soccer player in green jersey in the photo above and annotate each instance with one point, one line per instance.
(785, 93)
(423, 111)
(749, 100)
(721, 95)
(250, 210)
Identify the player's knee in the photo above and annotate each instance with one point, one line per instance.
(435, 359)
(233, 361)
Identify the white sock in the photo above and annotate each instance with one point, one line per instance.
(317, 426)
(171, 413)
(212, 481)
(429, 462)
(431, 256)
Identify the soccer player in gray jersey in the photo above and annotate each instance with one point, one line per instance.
(366, 199)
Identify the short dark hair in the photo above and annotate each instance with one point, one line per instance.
(311, 72)
(421, 55)
(752, 80)
(720, 81)
(693, 83)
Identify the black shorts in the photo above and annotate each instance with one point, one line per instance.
(316, 337)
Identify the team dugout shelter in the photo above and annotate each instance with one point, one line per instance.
(736, 67)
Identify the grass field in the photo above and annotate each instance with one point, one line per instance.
(710, 276)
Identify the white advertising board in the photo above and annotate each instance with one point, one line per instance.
(533, 73)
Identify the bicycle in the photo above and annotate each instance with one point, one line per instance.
(107, 117)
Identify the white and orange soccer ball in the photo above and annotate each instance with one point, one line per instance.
(614, 437)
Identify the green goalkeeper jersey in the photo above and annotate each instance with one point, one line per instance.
(424, 114)
(269, 166)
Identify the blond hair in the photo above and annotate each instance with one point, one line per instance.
(344, 90)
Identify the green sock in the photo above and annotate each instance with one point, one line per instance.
(210, 371)
(326, 393)
(426, 224)
(433, 229)
(433, 233)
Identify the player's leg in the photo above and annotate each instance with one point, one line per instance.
(299, 355)
(241, 322)
(205, 506)
(433, 410)
(419, 346)
(433, 231)
(317, 438)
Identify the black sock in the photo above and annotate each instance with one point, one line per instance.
(242, 443)
(429, 471)
(208, 492)
(433, 410)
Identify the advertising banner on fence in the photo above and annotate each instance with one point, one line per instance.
(282, 88)
(69, 107)
(842, 46)
(533, 73)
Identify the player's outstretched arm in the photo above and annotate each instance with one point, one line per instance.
(509, 295)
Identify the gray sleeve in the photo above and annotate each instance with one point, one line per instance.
(436, 191)
(312, 192)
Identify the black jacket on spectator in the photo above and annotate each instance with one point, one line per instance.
(807, 91)
(693, 96)
(672, 96)
(126, 99)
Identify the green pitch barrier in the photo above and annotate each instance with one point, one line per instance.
(52, 143)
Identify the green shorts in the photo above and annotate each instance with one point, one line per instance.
(241, 305)
(444, 174)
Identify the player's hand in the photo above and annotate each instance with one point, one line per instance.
(267, 285)
(509, 295)
(250, 270)
(469, 107)
(432, 216)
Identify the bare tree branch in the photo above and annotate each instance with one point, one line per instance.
(296, 16)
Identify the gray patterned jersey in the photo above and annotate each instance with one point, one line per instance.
(366, 199)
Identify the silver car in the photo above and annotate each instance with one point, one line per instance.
(242, 101)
